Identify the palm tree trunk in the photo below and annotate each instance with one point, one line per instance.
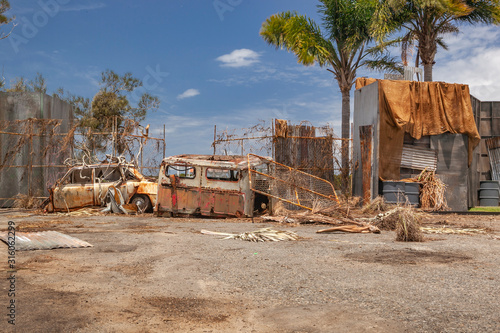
(346, 128)
(428, 72)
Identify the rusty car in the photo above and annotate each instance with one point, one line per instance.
(88, 185)
(208, 185)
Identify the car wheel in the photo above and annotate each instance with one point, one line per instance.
(143, 203)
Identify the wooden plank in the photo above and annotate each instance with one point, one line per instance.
(365, 137)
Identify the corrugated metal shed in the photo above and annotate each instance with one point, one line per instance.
(418, 158)
(44, 240)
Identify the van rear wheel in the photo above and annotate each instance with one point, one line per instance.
(143, 203)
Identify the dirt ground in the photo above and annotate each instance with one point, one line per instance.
(149, 274)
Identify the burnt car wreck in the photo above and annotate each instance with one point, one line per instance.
(209, 185)
(91, 185)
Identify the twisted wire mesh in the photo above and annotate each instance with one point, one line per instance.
(294, 187)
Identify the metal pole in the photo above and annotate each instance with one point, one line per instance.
(273, 139)
(142, 154)
(30, 158)
(114, 135)
(164, 141)
(215, 136)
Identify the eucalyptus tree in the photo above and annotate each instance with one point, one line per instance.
(425, 22)
(117, 106)
(4, 19)
(341, 47)
(21, 84)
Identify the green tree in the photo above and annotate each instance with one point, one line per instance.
(342, 46)
(4, 19)
(424, 22)
(112, 107)
(21, 84)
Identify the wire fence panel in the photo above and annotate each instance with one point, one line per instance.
(293, 187)
(314, 150)
(34, 153)
(257, 139)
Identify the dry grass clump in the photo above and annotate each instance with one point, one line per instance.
(388, 223)
(432, 193)
(280, 209)
(376, 206)
(408, 226)
(26, 202)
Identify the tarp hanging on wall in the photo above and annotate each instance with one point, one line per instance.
(419, 108)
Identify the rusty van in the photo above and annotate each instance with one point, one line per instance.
(208, 185)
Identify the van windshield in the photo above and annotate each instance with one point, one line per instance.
(181, 171)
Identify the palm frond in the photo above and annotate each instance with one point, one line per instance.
(385, 64)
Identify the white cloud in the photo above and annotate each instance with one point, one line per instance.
(188, 94)
(78, 8)
(472, 59)
(239, 58)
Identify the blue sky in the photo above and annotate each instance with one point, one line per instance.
(205, 60)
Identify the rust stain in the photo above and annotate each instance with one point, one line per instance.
(201, 195)
(72, 192)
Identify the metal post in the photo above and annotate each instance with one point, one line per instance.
(113, 133)
(142, 154)
(30, 158)
(215, 137)
(273, 139)
(164, 141)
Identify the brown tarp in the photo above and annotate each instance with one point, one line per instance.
(281, 128)
(419, 108)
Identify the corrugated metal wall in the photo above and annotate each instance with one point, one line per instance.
(22, 106)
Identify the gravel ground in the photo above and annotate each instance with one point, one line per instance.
(148, 274)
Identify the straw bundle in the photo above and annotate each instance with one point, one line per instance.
(261, 235)
(432, 193)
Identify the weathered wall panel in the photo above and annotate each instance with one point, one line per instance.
(298, 147)
(366, 112)
(22, 106)
(452, 168)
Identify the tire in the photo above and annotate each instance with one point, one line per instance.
(142, 202)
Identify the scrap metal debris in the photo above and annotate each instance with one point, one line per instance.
(116, 203)
(44, 240)
(261, 235)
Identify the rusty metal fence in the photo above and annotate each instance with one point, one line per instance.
(253, 140)
(35, 153)
(310, 149)
(294, 188)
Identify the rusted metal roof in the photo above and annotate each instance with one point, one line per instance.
(44, 240)
(222, 161)
(418, 158)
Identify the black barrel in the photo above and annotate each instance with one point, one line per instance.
(489, 193)
(412, 192)
(394, 191)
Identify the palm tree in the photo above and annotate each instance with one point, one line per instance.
(426, 21)
(342, 47)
